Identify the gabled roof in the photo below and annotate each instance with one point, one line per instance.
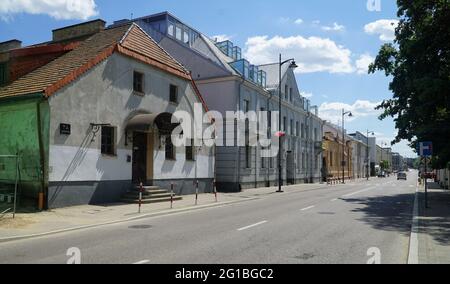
(129, 40)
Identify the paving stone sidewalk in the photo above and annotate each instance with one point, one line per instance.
(434, 226)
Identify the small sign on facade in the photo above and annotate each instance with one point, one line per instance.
(64, 129)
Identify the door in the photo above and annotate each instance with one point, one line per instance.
(290, 168)
(139, 157)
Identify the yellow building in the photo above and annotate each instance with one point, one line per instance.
(334, 153)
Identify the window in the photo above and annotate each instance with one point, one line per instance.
(315, 134)
(170, 149)
(303, 160)
(190, 151)
(263, 162)
(284, 123)
(290, 94)
(248, 161)
(186, 37)
(138, 82)
(170, 29)
(173, 97)
(286, 90)
(297, 129)
(331, 159)
(303, 131)
(292, 128)
(179, 33)
(108, 141)
(3, 73)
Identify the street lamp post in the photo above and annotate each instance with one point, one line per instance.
(367, 153)
(382, 150)
(344, 113)
(280, 134)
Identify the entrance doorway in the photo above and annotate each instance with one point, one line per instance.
(290, 168)
(139, 166)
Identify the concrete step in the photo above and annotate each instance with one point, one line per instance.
(146, 187)
(152, 200)
(149, 192)
(135, 195)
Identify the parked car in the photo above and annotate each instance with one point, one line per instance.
(382, 175)
(402, 176)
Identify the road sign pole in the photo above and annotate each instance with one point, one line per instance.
(426, 182)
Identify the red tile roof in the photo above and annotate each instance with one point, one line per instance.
(129, 40)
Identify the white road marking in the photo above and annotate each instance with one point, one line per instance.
(142, 261)
(413, 256)
(251, 226)
(307, 208)
(333, 200)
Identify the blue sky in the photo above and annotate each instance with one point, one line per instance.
(332, 41)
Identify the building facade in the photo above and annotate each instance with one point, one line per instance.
(364, 160)
(338, 153)
(228, 82)
(103, 118)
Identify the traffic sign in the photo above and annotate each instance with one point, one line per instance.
(426, 149)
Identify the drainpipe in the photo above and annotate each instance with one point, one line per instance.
(238, 168)
(43, 195)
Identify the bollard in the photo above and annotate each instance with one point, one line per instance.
(141, 189)
(171, 195)
(196, 192)
(215, 190)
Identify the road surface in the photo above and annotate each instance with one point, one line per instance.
(352, 223)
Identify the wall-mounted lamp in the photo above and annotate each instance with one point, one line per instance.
(96, 127)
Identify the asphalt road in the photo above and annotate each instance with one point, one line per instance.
(337, 224)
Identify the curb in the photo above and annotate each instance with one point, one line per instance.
(148, 215)
(413, 253)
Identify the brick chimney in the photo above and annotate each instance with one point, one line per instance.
(78, 31)
(9, 45)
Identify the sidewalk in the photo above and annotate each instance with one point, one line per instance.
(434, 226)
(86, 216)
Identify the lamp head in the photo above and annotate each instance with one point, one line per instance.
(293, 65)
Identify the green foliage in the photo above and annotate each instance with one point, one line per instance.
(384, 165)
(419, 64)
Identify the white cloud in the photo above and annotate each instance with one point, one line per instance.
(298, 21)
(222, 37)
(335, 28)
(306, 95)
(313, 54)
(384, 28)
(362, 64)
(332, 112)
(58, 9)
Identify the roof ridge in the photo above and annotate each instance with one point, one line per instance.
(159, 46)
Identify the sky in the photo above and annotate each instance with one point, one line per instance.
(333, 42)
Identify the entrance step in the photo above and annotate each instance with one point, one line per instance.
(150, 194)
(151, 200)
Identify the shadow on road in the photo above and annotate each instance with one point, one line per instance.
(388, 213)
(394, 213)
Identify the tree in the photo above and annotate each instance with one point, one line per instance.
(419, 63)
(384, 165)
